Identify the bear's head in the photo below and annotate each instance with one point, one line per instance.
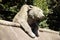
(36, 13)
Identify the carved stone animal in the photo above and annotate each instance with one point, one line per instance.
(28, 18)
(22, 17)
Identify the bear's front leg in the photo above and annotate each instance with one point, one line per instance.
(27, 28)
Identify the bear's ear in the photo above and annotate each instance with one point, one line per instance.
(30, 6)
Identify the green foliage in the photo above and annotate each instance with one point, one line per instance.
(43, 4)
(43, 24)
(0, 0)
(8, 8)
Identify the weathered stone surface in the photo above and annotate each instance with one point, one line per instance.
(15, 33)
